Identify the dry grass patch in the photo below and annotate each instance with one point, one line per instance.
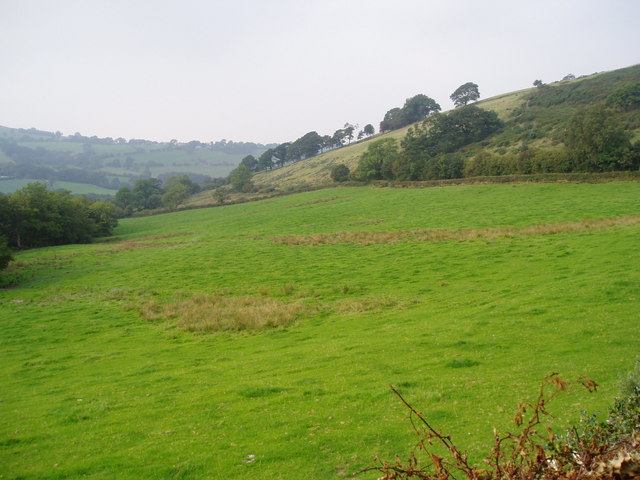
(369, 305)
(217, 312)
(319, 200)
(442, 235)
(145, 242)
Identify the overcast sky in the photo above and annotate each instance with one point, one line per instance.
(273, 70)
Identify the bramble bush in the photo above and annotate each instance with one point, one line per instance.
(593, 450)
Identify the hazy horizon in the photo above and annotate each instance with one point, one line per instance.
(269, 72)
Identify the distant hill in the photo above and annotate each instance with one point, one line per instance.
(102, 165)
(534, 119)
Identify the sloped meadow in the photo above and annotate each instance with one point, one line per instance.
(259, 340)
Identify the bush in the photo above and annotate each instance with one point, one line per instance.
(598, 451)
(340, 173)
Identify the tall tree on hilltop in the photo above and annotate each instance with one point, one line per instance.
(369, 130)
(418, 108)
(464, 94)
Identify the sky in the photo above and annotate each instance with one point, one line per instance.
(270, 71)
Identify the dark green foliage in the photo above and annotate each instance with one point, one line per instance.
(250, 162)
(177, 189)
(462, 126)
(147, 193)
(464, 94)
(5, 253)
(35, 216)
(378, 162)
(265, 162)
(240, 177)
(525, 162)
(369, 130)
(415, 109)
(340, 173)
(626, 98)
(105, 216)
(596, 141)
(425, 148)
(280, 154)
(306, 146)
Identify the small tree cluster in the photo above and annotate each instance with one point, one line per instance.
(35, 216)
(428, 149)
(415, 109)
(150, 193)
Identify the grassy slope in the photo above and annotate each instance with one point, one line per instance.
(317, 170)
(10, 186)
(464, 329)
(536, 125)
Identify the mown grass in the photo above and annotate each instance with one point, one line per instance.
(108, 371)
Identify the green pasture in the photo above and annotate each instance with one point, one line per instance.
(10, 186)
(92, 386)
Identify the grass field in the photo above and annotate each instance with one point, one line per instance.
(118, 362)
(10, 186)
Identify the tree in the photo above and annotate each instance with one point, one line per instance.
(538, 83)
(418, 108)
(125, 200)
(596, 141)
(280, 153)
(185, 180)
(390, 120)
(378, 161)
(174, 195)
(265, 162)
(34, 216)
(104, 214)
(250, 162)
(340, 173)
(240, 177)
(626, 98)
(464, 94)
(369, 130)
(415, 109)
(425, 144)
(348, 131)
(338, 138)
(147, 193)
(5, 253)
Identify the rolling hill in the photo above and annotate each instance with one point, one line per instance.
(533, 119)
(102, 165)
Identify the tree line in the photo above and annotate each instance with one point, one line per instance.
(309, 145)
(425, 152)
(36, 216)
(594, 140)
(153, 193)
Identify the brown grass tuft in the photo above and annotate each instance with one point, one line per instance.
(145, 242)
(217, 312)
(370, 304)
(430, 235)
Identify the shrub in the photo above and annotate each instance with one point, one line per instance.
(602, 450)
(340, 173)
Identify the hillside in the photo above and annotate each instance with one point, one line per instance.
(102, 165)
(258, 340)
(533, 119)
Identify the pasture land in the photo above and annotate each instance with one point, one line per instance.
(10, 186)
(134, 358)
